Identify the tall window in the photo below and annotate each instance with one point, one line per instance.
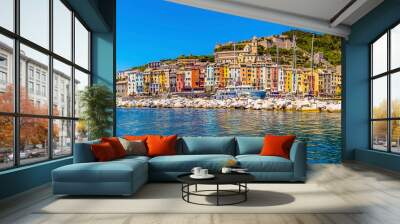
(385, 92)
(40, 80)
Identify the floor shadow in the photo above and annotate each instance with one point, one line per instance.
(148, 191)
(256, 198)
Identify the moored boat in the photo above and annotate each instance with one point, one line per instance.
(242, 91)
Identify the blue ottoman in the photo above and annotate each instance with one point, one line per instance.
(118, 177)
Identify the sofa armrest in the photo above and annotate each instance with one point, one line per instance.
(83, 152)
(298, 155)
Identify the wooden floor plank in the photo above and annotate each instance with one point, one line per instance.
(376, 190)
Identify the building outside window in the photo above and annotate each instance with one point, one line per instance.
(35, 53)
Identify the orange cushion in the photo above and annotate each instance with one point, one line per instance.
(277, 145)
(103, 151)
(135, 138)
(116, 145)
(161, 145)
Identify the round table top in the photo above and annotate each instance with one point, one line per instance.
(220, 178)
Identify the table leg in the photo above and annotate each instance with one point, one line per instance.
(217, 194)
(182, 190)
(245, 193)
(188, 190)
(195, 188)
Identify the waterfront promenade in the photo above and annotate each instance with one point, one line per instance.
(299, 104)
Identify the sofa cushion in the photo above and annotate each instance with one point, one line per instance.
(249, 145)
(116, 145)
(112, 171)
(257, 163)
(104, 152)
(136, 138)
(207, 145)
(161, 145)
(136, 147)
(185, 163)
(277, 145)
(133, 158)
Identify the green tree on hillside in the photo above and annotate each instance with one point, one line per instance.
(327, 44)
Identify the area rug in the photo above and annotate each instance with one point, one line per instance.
(166, 198)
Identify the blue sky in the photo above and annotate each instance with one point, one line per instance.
(150, 30)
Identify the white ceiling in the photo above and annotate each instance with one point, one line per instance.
(322, 9)
(317, 15)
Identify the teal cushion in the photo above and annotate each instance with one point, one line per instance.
(133, 158)
(111, 171)
(207, 145)
(185, 163)
(249, 145)
(257, 163)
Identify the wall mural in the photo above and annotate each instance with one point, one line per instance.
(195, 72)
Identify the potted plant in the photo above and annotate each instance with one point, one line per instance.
(97, 104)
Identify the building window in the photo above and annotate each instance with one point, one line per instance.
(3, 61)
(30, 73)
(37, 75)
(30, 88)
(44, 91)
(38, 89)
(45, 131)
(385, 97)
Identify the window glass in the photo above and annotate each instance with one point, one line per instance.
(62, 138)
(33, 140)
(62, 89)
(395, 47)
(395, 95)
(81, 82)
(6, 74)
(81, 131)
(7, 14)
(395, 136)
(379, 98)
(34, 20)
(6, 142)
(379, 135)
(81, 45)
(379, 56)
(38, 102)
(62, 29)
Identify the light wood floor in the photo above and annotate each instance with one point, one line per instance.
(377, 188)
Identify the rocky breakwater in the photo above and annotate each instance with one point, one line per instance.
(251, 104)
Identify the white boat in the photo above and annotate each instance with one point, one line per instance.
(245, 91)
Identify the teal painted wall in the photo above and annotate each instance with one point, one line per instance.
(103, 59)
(103, 63)
(356, 81)
(24, 178)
